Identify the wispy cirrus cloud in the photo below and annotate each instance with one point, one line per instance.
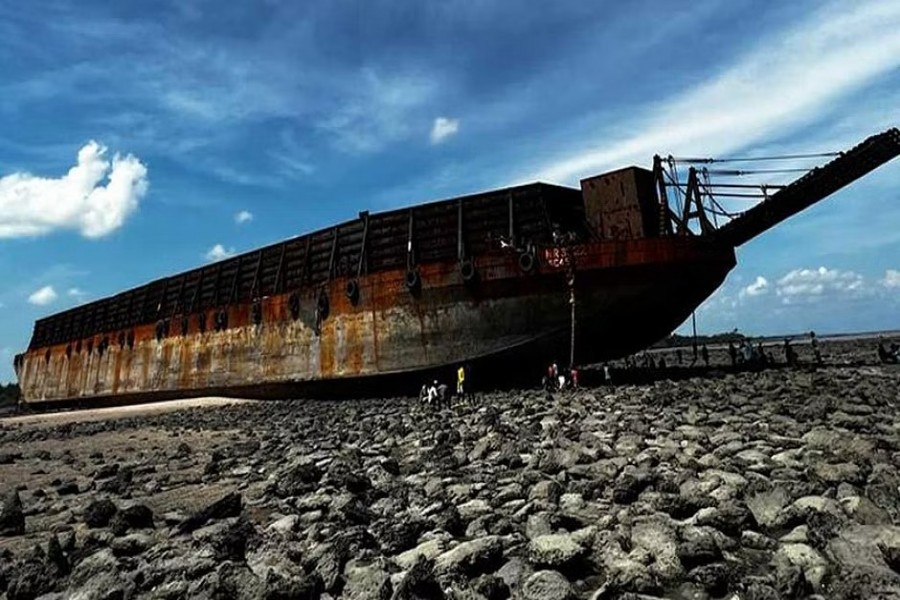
(788, 79)
(377, 111)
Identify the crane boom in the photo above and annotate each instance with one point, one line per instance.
(816, 185)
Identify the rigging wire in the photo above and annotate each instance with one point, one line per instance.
(741, 173)
(738, 195)
(706, 161)
(710, 190)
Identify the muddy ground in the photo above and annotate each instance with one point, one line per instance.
(780, 484)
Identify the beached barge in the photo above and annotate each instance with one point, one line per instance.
(489, 279)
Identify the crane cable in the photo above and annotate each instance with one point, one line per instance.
(741, 172)
(706, 161)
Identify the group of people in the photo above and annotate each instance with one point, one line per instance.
(437, 394)
(557, 378)
(745, 354)
(647, 360)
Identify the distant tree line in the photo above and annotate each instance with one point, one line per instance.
(675, 339)
(9, 394)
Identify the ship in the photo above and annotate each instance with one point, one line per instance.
(504, 281)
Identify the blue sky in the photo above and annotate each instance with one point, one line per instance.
(138, 139)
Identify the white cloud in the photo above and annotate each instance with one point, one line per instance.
(94, 197)
(219, 252)
(757, 288)
(443, 128)
(790, 78)
(77, 294)
(891, 279)
(812, 285)
(245, 216)
(43, 296)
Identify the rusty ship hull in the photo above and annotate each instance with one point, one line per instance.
(488, 280)
(507, 319)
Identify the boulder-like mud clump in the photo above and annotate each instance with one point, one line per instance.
(777, 484)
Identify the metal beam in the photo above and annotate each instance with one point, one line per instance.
(694, 198)
(276, 286)
(256, 276)
(334, 243)
(232, 298)
(162, 298)
(180, 299)
(305, 271)
(363, 254)
(217, 282)
(665, 226)
(197, 291)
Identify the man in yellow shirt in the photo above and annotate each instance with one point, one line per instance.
(461, 382)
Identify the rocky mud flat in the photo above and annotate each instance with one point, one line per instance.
(783, 484)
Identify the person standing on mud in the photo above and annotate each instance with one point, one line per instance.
(443, 395)
(789, 356)
(732, 353)
(464, 384)
(814, 342)
(704, 353)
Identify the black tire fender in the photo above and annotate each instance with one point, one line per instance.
(413, 280)
(527, 262)
(322, 305)
(222, 320)
(352, 291)
(294, 305)
(467, 270)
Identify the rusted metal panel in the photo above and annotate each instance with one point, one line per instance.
(621, 205)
